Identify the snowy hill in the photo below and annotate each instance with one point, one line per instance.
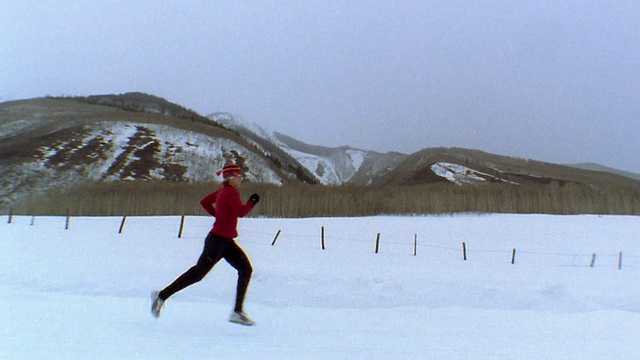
(472, 167)
(49, 143)
(63, 142)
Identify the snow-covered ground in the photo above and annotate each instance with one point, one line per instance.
(83, 292)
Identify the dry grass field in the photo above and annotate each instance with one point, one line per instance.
(299, 200)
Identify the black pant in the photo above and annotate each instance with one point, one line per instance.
(215, 248)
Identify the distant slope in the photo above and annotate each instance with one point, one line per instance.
(339, 165)
(325, 165)
(600, 168)
(264, 141)
(464, 167)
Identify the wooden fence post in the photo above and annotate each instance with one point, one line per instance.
(415, 244)
(513, 256)
(124, 218)
(323, 238)
(593, 260)
(10, 216)
(66, 225)
(464, 251)
(275, 238)
(181, 227)
(377, 242)
(620, 260)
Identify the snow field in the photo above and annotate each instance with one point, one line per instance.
(84, 292)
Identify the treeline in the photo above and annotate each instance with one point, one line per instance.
(292, 201)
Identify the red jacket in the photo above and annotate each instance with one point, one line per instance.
(228, 208)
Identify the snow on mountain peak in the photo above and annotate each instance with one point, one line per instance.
(330, 166)
(239, 124)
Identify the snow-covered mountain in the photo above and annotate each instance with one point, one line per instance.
(107, 151)
(346, 165)
(52, 143)
(63, 142)
(329, 166)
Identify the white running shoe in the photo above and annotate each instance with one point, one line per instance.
(241, 318)
(156, 304)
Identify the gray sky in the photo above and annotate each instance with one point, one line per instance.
(555, 81)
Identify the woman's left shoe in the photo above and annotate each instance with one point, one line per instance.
(241, 318)
(156, 304)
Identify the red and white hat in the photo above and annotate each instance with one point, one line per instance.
(230, 170)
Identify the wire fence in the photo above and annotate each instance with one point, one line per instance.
(195, 227)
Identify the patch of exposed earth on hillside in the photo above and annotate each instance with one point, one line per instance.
(81, 148)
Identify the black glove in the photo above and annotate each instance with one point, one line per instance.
(255, 198)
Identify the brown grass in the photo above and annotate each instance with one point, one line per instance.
(174, 198)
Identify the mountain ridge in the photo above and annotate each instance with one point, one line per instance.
(52, 142)
(606, 169)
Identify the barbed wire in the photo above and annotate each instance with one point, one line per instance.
(623, 259)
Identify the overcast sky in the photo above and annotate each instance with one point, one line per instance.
(555, 81)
